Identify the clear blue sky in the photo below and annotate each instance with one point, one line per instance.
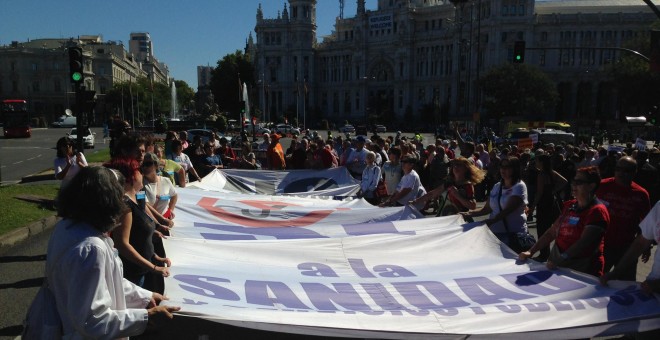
(185, 34)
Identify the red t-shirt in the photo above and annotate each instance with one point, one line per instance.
(627, 208)
(466, 190)
(573, 223)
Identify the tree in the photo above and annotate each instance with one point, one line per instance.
(139, 94)
(225, 83)
(518, 90)
(637, 87)
(184, 95)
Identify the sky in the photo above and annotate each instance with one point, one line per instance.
(185, 34)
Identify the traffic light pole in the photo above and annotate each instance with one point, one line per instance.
(79, 117)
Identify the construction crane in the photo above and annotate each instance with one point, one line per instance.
(341, 9)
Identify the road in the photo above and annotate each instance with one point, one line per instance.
(24, 156)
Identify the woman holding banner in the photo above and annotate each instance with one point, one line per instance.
(579, 233)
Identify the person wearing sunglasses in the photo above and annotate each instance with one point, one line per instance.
(627, 203)
(579, 232)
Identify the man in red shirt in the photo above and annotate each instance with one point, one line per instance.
(627, 203)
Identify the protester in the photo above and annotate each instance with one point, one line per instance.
(170, 136)
(356, 161)
(133, 237)
(247, 160)
(184, 160)
(131, 146)
(160, 192)
(85, 276)
(170, 169)
(225, 152)
(627, 204)
(459, 187)
(392, 170)
(409, 188)
(370, 177)
(650, 227)
(210, 161)
(68, 163)
(548, 185)
(275, 154)
(579, 233)
(506, 204)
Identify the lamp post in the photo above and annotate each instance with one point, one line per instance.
(459, 5)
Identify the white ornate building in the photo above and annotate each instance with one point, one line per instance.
(412, 56)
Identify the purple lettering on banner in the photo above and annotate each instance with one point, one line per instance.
(577, 305)
(201, 285)
(478, 310)
(257, 292)
(382, 297)
(412, 292)
(544, 283)
(316, 269)
(561, 305)
(537, 307)
(360, 268)
(326, 298)
(373, 229)
(511, 309)
(446, 311)
(250, 233)
(485, 291)
(391, 270)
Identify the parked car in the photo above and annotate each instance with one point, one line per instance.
(204, 134)
(554, 136)
(284, 129)
(347, 129)
(88, 137)
(64, 122)
(379, 128)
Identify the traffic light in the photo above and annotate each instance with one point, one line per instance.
(76, 65)
(519, 52)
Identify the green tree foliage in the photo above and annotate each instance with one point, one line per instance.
(225, 81)
(518, 90)
(636, 85)
(185, 96)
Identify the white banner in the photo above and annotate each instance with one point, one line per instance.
(403, 279)
(327, 182)
(230, 216)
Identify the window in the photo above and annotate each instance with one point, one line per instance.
(35, 86)
(13, 66)
(544, 36)
(35, 67)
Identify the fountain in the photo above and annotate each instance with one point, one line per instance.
(173, 112)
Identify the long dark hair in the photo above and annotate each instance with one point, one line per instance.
(546, 163)
(94, 196)
(62, 142)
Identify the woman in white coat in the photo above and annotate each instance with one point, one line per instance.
(83, 270)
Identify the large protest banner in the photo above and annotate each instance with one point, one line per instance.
(231, 216)
(400, 279)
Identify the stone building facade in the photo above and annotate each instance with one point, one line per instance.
(38, 71)
(410, 59)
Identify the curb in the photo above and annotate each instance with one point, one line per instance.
(23, 233)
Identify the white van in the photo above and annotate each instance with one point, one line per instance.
(64, 122)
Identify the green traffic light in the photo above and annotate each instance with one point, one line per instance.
(76, 76)
(518, 57)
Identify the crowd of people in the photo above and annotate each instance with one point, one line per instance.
(590, 202)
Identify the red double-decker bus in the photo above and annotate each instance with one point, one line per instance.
(16, 118)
